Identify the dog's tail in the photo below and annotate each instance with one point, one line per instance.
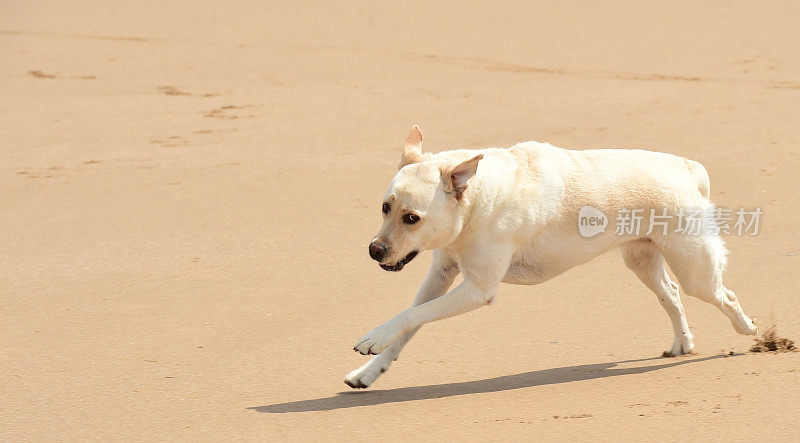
(701, 175)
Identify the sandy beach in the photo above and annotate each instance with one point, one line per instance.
(189, 188)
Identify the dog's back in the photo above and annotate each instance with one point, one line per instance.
(617, 178)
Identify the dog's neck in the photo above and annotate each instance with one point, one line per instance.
(466, 205)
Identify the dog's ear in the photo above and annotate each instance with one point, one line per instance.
(455, 178)
(412, 151)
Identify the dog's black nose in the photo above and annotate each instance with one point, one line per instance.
(377, 251)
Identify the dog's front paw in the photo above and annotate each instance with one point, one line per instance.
(362, 377)
(377, 340)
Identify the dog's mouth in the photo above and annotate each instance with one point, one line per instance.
(399, 265)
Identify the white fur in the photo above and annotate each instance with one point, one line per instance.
(516, 222)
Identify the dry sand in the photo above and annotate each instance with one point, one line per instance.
(188, 189)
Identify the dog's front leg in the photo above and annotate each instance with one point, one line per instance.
(482, 276)
(441, 275)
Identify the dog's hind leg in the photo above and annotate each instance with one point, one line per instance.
(441, 275)
(698, 263)
(647, 262)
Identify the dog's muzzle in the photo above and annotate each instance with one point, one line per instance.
(399, 265)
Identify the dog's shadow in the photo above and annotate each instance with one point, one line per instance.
(566, 374)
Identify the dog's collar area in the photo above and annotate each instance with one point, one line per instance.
(399, 265)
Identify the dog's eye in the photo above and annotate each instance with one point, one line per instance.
(385, 208)
(410, 219)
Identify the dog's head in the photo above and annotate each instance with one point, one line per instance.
(423, 207)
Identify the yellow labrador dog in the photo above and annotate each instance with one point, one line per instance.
(514, 215)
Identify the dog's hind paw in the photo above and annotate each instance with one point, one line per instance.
(681, 346)
(745, 326)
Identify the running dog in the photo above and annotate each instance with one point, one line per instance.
(512, 215)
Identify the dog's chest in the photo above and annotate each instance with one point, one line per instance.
(527, 271)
